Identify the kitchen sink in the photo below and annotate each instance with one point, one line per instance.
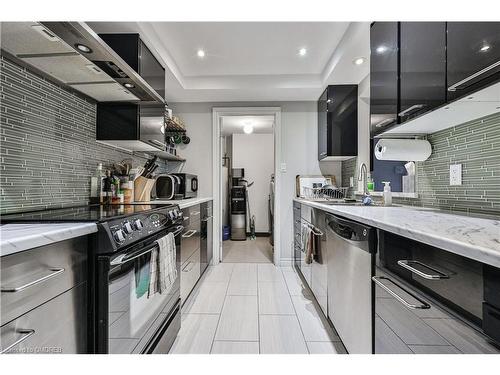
(333, 203)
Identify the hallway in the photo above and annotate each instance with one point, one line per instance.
(249, 308)
(249, 251)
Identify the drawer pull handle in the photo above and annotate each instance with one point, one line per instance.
(437, 276)
(26, 333)
(455, 87)
(186, 266)
(189, 233)
(407, 111)
(207, 218)
(55, 272)
(377, 281)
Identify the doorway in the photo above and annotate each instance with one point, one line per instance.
(245, 185)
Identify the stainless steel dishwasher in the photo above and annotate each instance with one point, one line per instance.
(351, 248)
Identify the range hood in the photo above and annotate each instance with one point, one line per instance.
(73, 55)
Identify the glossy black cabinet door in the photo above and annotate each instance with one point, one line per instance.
(322, 118)
(383, 76)
(422, 68)
(473, 56)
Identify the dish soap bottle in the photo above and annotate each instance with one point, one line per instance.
(370, 184)
(387, 195)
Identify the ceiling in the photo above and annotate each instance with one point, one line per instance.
(252, 61)
(234, 124)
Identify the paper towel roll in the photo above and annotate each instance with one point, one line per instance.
(403, 149)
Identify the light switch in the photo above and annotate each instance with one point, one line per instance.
(283, 167)
(455, 174)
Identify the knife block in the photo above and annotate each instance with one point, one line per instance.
(142, 189)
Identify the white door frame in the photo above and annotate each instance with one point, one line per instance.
(217, 114)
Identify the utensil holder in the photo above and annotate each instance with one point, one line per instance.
(142, 189)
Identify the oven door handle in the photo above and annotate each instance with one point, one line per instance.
(122, 259)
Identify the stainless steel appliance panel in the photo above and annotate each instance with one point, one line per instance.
(59, 326)
(190, 238)
(319, 269)
(349, 275)
(169, 334)
(32, 277)
(190, 273)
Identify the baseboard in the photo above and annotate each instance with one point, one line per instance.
(286, 262)
(259, 234)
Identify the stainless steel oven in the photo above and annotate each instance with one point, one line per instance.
(129, 320)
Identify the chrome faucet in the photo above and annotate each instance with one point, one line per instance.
(362, 178)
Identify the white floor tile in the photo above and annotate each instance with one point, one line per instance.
(294, 284)
(208, 298)
(235, 347)
(281, 334)
(314, 326)
(219, 273)
(242, 288)
(239, 320)
(244, 272)
(269, 273)
(274, 299)
(196, 334)
(326, 347)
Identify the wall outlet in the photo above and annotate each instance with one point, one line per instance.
(351, 181)
(283, 167)
(455, 174)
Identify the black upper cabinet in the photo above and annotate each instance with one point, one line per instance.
(383, 76)
(473, 56)
(136, 54)
(422, 68)
(338, 123)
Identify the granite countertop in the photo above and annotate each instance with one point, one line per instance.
(471, 237)
(183, 203)
(15, 238)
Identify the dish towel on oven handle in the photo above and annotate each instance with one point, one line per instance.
(163, 265)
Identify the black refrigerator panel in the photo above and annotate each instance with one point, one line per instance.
(136, 54)
(473, 56)
(422, 68)
(383, 76)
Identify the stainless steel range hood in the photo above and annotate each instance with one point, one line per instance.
(74, 55)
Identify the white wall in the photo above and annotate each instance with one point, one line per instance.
(298, 151)
(255, 153)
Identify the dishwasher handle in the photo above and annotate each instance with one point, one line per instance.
(349, 230)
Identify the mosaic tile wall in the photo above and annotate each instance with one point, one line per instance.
(475, 145)
(48, 149)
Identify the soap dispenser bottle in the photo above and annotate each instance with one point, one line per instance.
(387, 195)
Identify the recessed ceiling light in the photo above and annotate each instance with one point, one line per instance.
(128, 85)
(470, 97)
(83, 48)
(359, 61)
(485, 48)
(381, 49)
(162, 129)
(248, 128)
(200, 53)
(302, 52)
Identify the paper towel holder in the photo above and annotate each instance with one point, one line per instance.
(398, 149)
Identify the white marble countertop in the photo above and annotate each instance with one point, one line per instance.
(183, 203)
(474, 238)
(15, 238)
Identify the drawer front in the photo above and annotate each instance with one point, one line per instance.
(190, 273)
(190, 242)
(491, 321)
(58, 326)
(492, 285)
(32, 277)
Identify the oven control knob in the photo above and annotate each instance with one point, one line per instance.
(172, 214)
(119, 236)
(138, 224)
(127, 227)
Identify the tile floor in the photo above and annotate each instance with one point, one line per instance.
(250, 308)
(249, 251)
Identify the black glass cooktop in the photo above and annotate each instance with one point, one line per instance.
(91, 213)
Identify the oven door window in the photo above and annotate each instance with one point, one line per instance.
(134, 313)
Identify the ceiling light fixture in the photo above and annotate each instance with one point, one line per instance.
(200, 53)
(248, 128)
(381, 49)
(128, 85)
(359, 61)
(302, 52)
(83, 48)
(485, 48)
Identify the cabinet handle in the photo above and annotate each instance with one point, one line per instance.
(55, 272)
(186, 266)
(158, 143)
(322, 153)
(195, 213)
(437, 276)
(424, 305)
(207, 218)
(26, 333)
(384, 123)
(455, 87)
(189, 233)
(407, 111)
